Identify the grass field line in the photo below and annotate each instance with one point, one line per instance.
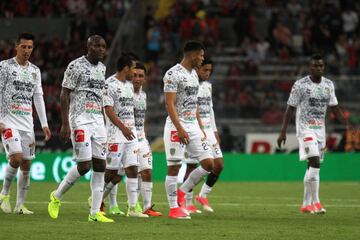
(223, 204)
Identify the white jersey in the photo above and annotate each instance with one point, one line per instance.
(139, 112)
(120, 96)
(186, 86)
(205, 104)
(18, 85)
(87, 83)
(311, 101)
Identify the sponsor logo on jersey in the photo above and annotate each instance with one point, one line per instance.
(79, 135)
(113, 147)
(7, 134)
(174, 136)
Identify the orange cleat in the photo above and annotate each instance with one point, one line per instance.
(318, 208)
(192, 209)
(181, 198)
(204, 202)
(151, 212)
(178, 213)
(307, 209)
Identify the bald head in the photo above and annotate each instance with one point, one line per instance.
(96, 48)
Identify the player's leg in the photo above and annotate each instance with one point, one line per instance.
(191, 164)
(113, 205)
(12, 143)
(307, 206)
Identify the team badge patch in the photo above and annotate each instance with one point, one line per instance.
(186, 155)
(7, 134)
(174, 136)
(307, 150)
(172, 151)
(113, 147)
(79, 135)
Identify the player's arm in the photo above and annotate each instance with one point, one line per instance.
(170, 100)
(339, 114)
(199, 121)
(289, 112)
(110, 113)
(3, 81)
(213, 125)
(65, 103)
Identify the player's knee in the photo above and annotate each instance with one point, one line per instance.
(25, 165)
(218, 167)
(146, 175)
(116, 179)
(207, 164)
(173, 170)
(16, 159)
(99, 165)
(83, 168)
(131, 172)
(314, 162)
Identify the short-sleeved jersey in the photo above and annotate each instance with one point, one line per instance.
(120, 96)
(18, 85)
(205, 103)
(140, 109)
(311, 101)
(87, 83)
(186, 86)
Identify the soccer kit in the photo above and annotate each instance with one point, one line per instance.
(19, 86)
(311, 101)
(145, 154)
(208, 121)
(186, 86)
(88, 134)
(122, 153)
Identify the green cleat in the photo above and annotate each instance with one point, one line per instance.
(5, 203)
(115, 210)
(138, 207)
(54, 206)
(23, 210)
(98, 217)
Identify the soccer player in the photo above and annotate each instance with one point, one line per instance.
(123, 146)
(145, 154)
(82, 119)
(182, 128)
(310, 96)
(20, 86)
(209, 126)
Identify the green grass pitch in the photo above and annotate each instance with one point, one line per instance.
(260, 210)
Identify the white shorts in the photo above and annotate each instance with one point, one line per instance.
(309, 147)
(17, 141)
(122, 155)
(145, 155)
(89, 141)
(198, 148)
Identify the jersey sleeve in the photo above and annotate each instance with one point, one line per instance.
(71, 77)
(333, 100)
(109, 95)
(38, 87)
(295, 95)
(170, 82)
(3, 79)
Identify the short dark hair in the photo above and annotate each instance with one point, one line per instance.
(133, 56)
(316, 57)
(192, 46)
(140, 65)
(207, 61)
(25, 36)
(123, 61)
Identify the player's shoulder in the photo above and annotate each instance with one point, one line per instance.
(8, 63)
(302, 80)
(77, 62)
(111, 81)
(206, 84)
(143, 93)
(327, 81)
(174, 71)
(34, 67)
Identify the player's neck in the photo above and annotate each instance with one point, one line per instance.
(315, 79)
(22, 62)
(137, 90)
(91, 60)
(120, 76)
(186, 64)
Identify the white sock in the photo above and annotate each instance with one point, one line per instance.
(97, 187)
(139, 185)
(23, 185)
(205, 190)
(189, 198)
(112, 196)
(193, 179)
(131, 190)
(171, 191)
(146, 192)
(10, 173)
(71, 177)
(107, 189)
(314, 178)
(307, 190)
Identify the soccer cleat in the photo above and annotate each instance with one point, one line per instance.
(132, 212)
(102, 206)
(181, 198)
(178, 213)
(138, 207)
(54, 206)
(204, 202)
(151, 212)
(5, 203)
(318, 208)
(115, 210)
(307, 209)
(99, 217)
(192, 209)
(23, 210)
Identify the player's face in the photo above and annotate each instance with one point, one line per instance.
(317, 68)
(204, 72)
(138, 78)
(131, 72)
(197, 58)
(24, 49)
(97, 49)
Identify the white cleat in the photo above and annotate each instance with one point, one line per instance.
(5, 203)
(23, 210)
(133, 213)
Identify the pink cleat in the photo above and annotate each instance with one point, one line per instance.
(181, 198)
(307, 209)
(204, 202)
(178, 213)
(192, 209)
(318, 208)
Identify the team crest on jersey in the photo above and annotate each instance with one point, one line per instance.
(172, 151)
(33, 76)
(108, 160)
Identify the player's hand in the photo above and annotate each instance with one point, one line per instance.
(47, 133)
(2, 128)
(217, 137)
(65, 132)
(128, 134)
(183, 136)
(281, 139)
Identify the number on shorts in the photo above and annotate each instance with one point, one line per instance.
(205, 146)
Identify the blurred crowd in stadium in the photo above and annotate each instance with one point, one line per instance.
(259, 47)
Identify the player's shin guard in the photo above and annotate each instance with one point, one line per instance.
(193, 179)
(307, 189)
(10, 173)
(71, 177)
(131, 190)
(107, 189)
(23, 185)
(112, 196)
(189, 198)
(171, 191)
(146, 192)
(97, 186)
(314, 178)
